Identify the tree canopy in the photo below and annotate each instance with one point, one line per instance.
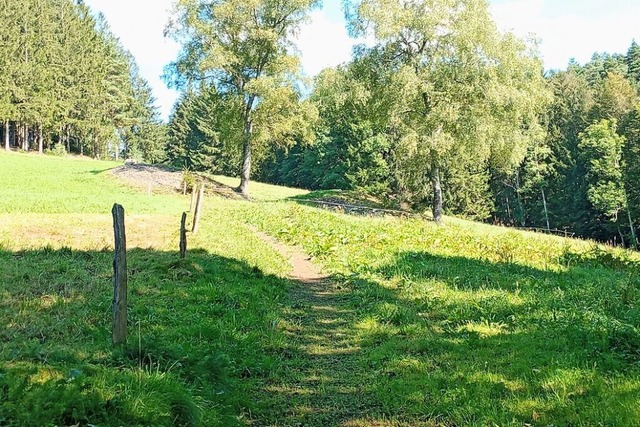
(67, 80)
(244, 50)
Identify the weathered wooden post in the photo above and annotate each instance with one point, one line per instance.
(194, 194)
(183, 236)
(119, 277)
(198, 211)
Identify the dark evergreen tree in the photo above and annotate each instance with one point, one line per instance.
(632, 60)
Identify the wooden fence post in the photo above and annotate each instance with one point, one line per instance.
(198, 211)
(183, 236)
(194, 192)
(119, 277)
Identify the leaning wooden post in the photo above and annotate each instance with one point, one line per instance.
(198, 211)
(119, 277)
(183, 236)
(194, 192)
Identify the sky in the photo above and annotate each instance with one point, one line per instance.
(565, 28)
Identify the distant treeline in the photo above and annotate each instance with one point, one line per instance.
(583, 176)
(65, 80)
(462, 120)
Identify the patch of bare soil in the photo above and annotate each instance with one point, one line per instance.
(302, 269)
(141, 175)
(158, 178)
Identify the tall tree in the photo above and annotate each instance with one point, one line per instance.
(244, 48)
(460, 85)
(601, 147)
(615, 98)
(630, 128)
(633, 62)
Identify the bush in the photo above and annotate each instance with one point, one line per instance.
(57, 150)
(189, 179)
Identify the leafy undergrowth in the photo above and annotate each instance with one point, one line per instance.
(467, 324)
(349, 197)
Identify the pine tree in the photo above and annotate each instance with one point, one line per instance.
(632, 60)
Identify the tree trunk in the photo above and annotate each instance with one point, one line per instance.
(546, 213)
(67, 138)
(634, 236)
(96, 153)
(621, 237)
(7, 146)
(19, 139)
(24, 132)
(246, 162)
(522, 215)
(437, 192)
(40, 140)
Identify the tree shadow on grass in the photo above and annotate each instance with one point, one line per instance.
(461, 341)
(452, 341)
(201, 337)
(456, 341)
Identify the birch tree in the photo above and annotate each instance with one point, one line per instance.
(244, 48)
(461, 86)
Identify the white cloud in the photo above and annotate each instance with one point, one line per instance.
(323, 43)
(571, 32)
(139, 24)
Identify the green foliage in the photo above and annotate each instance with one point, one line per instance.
(57, 150)
(205, 133)
(188, 179)
(615, 98)
(67, 77)
(458, 85)
(632, 60)
(244, 49)
(601, 147)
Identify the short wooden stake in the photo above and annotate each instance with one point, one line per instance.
(119, 277)
(198, 211)
(184, 188)
(194, 193)
(183, 236)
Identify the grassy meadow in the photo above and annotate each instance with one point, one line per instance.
(459, 325)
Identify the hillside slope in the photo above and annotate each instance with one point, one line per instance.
(417, 325)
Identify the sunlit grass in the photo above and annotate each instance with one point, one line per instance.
(468, 324)
(197, 327)
(260, 191)
(461, 324)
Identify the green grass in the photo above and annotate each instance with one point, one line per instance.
(201, 331)
(464, 324)
(71, 185)
(468, 324)
(262, 192)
